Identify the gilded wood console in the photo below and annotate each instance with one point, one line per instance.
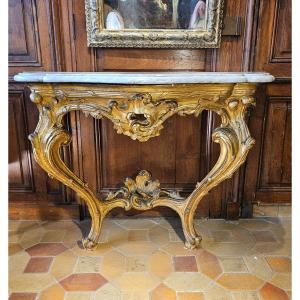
(138, 104)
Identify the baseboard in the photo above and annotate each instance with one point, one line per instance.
(272, 210)
(34, 211)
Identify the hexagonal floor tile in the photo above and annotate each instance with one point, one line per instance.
(190, 296)
(136, 263)
(160, 264)
(53, 292)
(159, 235)
(23, 296)
(187, 282)
(46, 249)
(38, 265)
(185, 264)
(138, 248)
(240, 281)
(83, 282)
(14, 248)
(209, 264)
(163, 292)
(87, 264)
(136, 282)
(113, 264)
(30, 282)
(136, 223)
(280, 264)
(63, 264)
(271, 292)
(138, 235)
(233, 264)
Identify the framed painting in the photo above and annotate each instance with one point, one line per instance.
(154, 23)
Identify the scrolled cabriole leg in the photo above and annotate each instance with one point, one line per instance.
(222, 170)
(235, 142)
(91, 241)
(192, 238)
(46, 141)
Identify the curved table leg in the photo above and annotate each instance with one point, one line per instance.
(46, 148)
(235, 142)
(47, 140)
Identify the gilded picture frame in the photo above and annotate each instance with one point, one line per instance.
(208, 36)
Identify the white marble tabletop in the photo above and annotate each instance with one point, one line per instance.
(144, 77)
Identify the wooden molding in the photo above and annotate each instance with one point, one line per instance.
(44, 211)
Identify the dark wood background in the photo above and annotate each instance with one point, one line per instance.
(50, 35)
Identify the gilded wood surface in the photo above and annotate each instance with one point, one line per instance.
(139, 193)
(139, 112)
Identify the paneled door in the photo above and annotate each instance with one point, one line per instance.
(268, 170)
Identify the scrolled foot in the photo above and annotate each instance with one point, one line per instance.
(193, 243)
(89, 244)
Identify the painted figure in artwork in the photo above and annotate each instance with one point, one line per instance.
(191, 14)
(154, 14)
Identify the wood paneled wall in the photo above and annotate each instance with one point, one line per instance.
(50, 35)
(268, 168)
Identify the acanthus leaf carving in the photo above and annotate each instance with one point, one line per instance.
(139, 193)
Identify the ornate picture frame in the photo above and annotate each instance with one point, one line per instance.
(208, 36)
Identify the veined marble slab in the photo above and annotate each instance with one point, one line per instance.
(144, 77)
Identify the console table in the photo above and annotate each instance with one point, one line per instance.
(138, 104)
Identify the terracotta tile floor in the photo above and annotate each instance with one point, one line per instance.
(145, 259)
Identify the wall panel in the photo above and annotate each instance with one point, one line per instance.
(50, 35)
(19, 168)
(268, 168)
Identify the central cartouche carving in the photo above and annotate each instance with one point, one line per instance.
(140, 192)
(140, 117)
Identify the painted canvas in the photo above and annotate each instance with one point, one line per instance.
(154, 14)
